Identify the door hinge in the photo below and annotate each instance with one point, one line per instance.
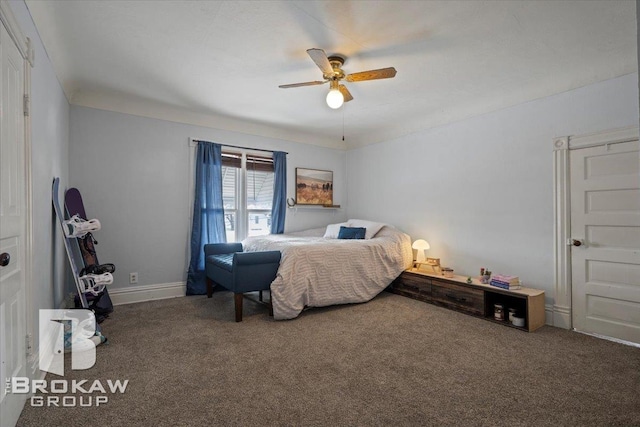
(26, 105)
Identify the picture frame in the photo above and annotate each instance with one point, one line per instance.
(314, 187)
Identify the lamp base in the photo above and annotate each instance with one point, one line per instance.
(434, 263)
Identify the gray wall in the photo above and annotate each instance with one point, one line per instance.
(50, 153)
(135, 177)
(480, 190)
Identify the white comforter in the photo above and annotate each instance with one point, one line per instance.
(316, 272)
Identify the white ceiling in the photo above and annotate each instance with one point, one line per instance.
(219, 63)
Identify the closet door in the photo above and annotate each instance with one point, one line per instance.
(12, 228)
(605, 237)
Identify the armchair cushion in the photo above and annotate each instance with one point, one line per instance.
(224, 261)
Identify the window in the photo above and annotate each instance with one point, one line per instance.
(247, 193)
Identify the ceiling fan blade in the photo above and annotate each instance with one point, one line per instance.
(345, 93)
(321, 60)
(383, 73)
(317, 82)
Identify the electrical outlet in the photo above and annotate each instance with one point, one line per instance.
(133, 278)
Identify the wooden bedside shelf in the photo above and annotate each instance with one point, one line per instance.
(475, 298)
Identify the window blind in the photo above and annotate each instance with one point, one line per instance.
(255, 163)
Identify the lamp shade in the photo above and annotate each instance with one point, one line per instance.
(421, 246)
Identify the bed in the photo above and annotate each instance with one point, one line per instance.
(317, 271)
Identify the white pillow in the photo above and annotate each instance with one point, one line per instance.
(372, 227)
(333, 230)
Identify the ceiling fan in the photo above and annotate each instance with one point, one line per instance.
(331, 67)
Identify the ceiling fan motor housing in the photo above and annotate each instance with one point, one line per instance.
(336, 63)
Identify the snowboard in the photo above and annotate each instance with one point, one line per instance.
(75, 260)
(70, 244)
(100, 304)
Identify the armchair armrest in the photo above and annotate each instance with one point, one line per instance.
(254, 258)
(221, 248)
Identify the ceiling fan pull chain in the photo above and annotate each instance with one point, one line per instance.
(343, 124)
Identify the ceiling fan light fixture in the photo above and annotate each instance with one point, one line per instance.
(335, 99)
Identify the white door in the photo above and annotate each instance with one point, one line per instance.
(12, 228)
(605, 231)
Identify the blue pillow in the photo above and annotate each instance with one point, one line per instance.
(351, 232)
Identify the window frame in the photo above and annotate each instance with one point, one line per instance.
(241, 210)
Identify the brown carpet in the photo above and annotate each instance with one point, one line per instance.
(392, 361)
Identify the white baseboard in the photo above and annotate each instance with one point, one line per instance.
(557, 316)
(562, 317)
(133, 294)
(548, 314)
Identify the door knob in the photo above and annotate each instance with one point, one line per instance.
(4, 259)
(576, 242)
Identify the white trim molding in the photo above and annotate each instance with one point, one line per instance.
(134, 294)
(11, 24)
(126, 104)
(601, 138)
(562, 307)
(561, 230)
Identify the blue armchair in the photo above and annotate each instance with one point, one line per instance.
(228, 266)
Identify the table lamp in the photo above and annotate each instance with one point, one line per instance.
(421, 246)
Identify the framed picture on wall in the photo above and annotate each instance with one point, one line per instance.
(314, 187)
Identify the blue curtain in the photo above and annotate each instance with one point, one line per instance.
(208, 213)
(279, 206)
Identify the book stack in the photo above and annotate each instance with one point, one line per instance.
(505, 282)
